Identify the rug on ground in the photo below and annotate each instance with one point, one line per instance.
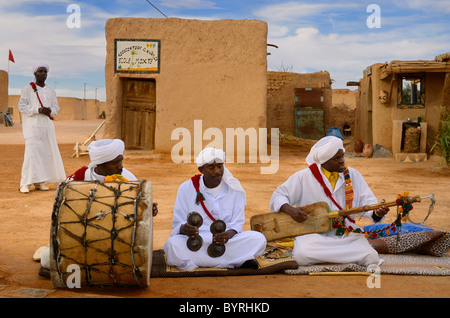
(413, 250)
(273, 260)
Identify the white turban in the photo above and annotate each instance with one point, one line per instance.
(105, 150)
(325, 149)
(210, 155)
(40, 64)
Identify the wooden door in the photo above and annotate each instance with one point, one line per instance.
(139, 113)
(309, 97)
(308, 112)
(309, 123)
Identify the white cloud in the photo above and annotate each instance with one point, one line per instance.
(346, 56)
(188, 4)
(429, 6)
(293, 10)
(277, 30)
(312, 36)
(72, 54)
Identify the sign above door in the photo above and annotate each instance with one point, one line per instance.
(136, 56)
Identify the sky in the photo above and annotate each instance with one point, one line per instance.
(341, 37)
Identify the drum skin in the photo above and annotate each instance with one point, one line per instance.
(106, 230)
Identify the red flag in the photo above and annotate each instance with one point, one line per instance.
(11, 58)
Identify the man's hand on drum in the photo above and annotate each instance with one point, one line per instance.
(188, 230)
(297, 213)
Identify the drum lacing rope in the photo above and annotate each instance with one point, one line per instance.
(133, 236)
(86, 222)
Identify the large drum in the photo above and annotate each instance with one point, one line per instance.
(105, 230)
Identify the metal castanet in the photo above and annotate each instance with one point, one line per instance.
(217, 227)
(214, 249)
(194, 243)
(195, 219)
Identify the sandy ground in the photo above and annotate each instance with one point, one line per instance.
(25, 223)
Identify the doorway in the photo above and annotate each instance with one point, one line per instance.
(138, 113)
(308, 112)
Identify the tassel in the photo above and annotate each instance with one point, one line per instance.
(199, 198)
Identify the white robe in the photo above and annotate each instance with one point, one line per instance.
(227, 206)
(302, 189)
(42, 159)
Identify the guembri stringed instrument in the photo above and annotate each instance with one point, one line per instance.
(279, 225)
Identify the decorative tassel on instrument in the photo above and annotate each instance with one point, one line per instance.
(404, 206)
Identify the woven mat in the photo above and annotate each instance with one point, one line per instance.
(394, 264)
(270, 262)
(419, 253)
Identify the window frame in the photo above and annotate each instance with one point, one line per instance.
(401, 77)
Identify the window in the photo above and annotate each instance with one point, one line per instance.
(411, 91)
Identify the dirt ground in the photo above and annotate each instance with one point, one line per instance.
(25, 223)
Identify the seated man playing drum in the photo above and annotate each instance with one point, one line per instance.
(215, 195)
(106, 157)
(328, 179)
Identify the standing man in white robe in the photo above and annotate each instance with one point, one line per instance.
(42, 159)
(224, 199)
(304, 188)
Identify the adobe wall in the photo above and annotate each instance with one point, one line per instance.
(71, 108)
(280, 97)
(342, 110)
(214, 71)
(3, 93)
(380, 119)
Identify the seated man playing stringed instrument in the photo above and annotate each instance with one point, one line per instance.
(328, 179)
(216, 195)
